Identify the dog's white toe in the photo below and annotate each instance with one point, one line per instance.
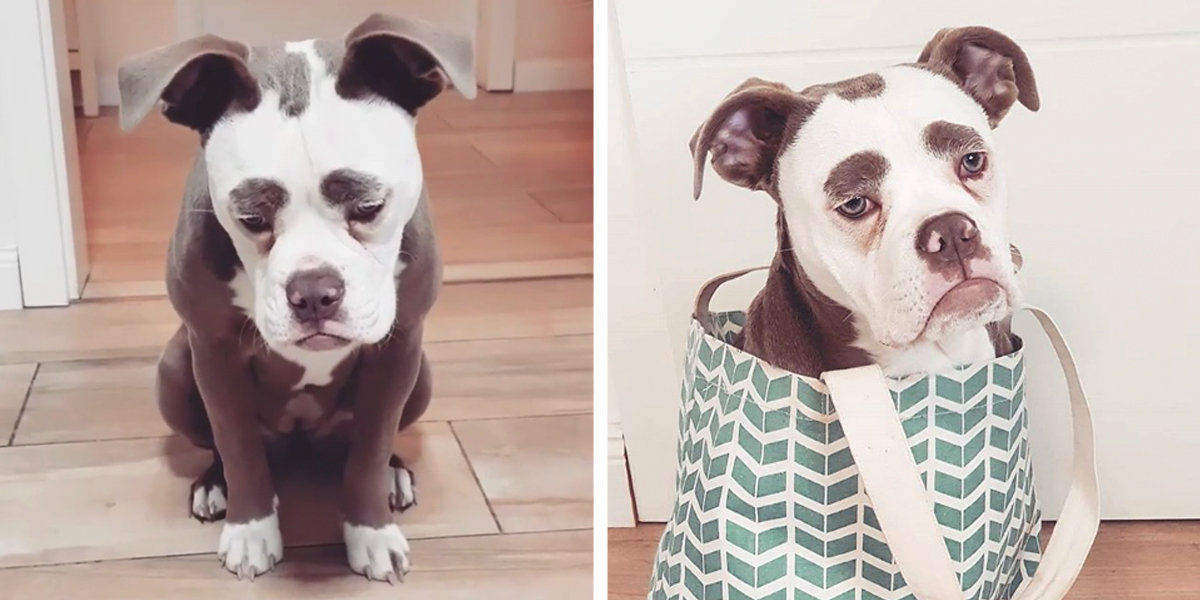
(208, 502)
(251, 548)
(404, 493)
(380, 554)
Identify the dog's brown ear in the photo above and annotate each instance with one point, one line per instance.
(987, 65)
(196, 80)
(745, 134)
(406, 61)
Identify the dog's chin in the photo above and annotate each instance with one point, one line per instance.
(320, 342)
(972, 303)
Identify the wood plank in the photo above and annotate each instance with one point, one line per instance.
(91, 330)
(126, 499)
(536, 472)
(570, 204)
(15, 381)
(539, 566)
(1135, 560)
(481, 379)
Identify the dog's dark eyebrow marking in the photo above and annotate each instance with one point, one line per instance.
(258, 195)
(949, 140)
(347, 186)
(860, 174)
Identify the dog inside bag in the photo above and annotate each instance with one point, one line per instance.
(892, 246)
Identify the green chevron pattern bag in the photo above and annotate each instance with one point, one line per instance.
(857, 486)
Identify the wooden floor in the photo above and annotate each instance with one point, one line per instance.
(1130, 561)
(94, 488)
(509, 175)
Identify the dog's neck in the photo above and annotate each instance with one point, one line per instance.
(793, 325)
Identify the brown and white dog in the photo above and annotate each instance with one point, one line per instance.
(303, 265)
(892, 243)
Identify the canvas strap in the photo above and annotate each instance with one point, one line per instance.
(903, 507)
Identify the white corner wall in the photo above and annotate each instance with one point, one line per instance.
(553, 48)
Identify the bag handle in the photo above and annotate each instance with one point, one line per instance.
(904, 510)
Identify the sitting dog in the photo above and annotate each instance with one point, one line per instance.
(302, 266)
(892, 246)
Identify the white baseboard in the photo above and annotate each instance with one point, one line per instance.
(10, 280)
(620, 496)
(110, 94)
(546, 75)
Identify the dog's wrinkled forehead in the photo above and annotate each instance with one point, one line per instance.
(911, 114)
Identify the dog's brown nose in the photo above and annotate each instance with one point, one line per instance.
(315, 294)
(948, 238)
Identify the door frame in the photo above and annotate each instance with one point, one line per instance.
(39, 160)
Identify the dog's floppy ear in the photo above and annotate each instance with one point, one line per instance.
(406, 61)
(745, 134)
(988, 65)
(197, 80)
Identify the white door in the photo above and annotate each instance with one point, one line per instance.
(43, 252)
(1100, 205)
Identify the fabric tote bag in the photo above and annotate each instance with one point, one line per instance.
(858, 486)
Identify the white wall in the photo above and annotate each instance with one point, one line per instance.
(553, 45)
(1097, 206)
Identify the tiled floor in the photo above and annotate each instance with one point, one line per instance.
(93, 486)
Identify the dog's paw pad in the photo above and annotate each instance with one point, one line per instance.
(252, 548)
(403, 493)
(381, 554)
(208, 501)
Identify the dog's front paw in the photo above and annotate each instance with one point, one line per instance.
(403, 494)
(379, 553)
(251, 548)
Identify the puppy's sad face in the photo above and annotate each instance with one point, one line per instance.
(889, 183)
(895, 208)
(316, 204)
(311, 162)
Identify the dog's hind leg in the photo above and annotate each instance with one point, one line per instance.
(403, 494)
(209, 493)
(179, 399)
(182, 408)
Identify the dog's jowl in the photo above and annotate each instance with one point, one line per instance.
(303, 265)
(892, 244)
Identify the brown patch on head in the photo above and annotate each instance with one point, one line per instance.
(262, 198)
(870, 85)
(860, 174)
(259, 196)
(950, 141)
(286, 73)
(986, 64)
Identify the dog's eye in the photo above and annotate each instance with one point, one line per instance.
(254, 223)
(855, 207)
(972, 164)
(366, 211)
